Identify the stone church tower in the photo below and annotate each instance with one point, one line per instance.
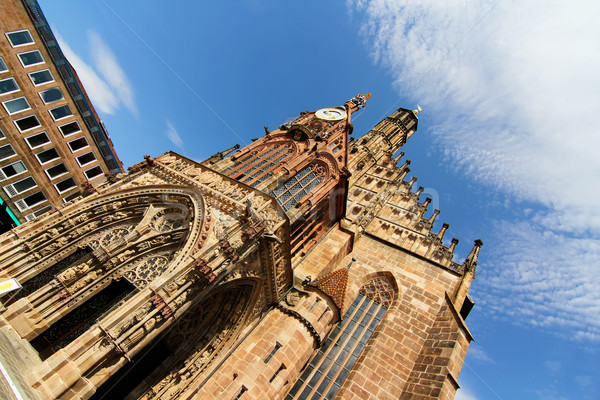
(301, 266)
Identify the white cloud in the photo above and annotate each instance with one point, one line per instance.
(108, 94)
(512, 89)
(173, 135)
(464, 394)
(478, 354)
(99, 92)
(109, 68)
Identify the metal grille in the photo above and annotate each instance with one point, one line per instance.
(64, 72)
(10, 191)
(21, 205)
(54, 53)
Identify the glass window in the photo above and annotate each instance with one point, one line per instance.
(255, 169)
(56, 171)
(12, 170)
(2, 134)
(14, 106)
(70, 128)
(25, 184)
(290, 192)
(19, 38)
(60, 112)
(3, 66)
(65, 185)
(20, 186)
(27, 123)
(34, 199)
(345, 343)
(47, 155)
(86, 158)
(41, 77)
(72, 196)
(31, 58)
(51, 95)
(8, 85)
(37, 140)
(93, 172)
(77, 144)
(6, 151)
(42, 210)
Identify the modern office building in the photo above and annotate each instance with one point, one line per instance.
(51, 140)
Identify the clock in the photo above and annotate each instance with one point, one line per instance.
(331, 114)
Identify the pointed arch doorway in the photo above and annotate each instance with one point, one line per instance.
(173, 361)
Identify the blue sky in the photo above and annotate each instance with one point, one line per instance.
(506, 145)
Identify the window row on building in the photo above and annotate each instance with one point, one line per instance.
(22, 182)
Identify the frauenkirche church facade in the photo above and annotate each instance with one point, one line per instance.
(301, 266)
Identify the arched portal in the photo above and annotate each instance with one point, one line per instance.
(185, 354)
(110, 248)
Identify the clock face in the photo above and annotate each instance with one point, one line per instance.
(331, 114)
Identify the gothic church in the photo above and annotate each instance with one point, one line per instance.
(301, 266)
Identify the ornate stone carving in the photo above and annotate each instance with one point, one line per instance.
(203, 271)
(161, 305)
(228, 251)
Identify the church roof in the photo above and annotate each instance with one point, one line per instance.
(333, 285)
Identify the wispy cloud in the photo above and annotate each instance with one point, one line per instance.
(553, 366)
(478, 354)
(110, 91)
(97, 89)
(464, 394)
(519, 80)
(111, 71)
(173, 135)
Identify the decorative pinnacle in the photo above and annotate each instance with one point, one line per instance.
(471, 261)
(453, 245)
(398, 157)
(436, 212)
(350, 264)
(412, 182)
(418, 109)
(361, 100)
(442, 231)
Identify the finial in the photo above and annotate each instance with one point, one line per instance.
(404, 170)
(442, 231)
(398, 157)
(419, 191)
(350, 264)
(453, 245)
(436, 212)
(471, 261)
(412, 182)
(403, 174)
(418, 109)
(361, 100)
